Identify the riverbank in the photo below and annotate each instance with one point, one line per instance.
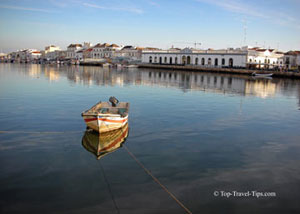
(292, 75)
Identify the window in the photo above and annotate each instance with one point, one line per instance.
(202, 61)
(216, 61)
(188, 60)
(183, 60)
(223, 61)
(231, 62)
(196, 61)
(150, 59)
(209, 61)
(165, 61)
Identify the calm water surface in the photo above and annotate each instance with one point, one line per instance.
(196, 132)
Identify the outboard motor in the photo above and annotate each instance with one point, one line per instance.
(114, 101)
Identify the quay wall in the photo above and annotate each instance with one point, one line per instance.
(292, 75)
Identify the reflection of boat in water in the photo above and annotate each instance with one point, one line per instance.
(262, 75)
(104, 143)
(104, 116)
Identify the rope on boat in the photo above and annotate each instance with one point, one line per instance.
(109, 188)
(157, 181)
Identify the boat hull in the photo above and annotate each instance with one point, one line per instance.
(101, 124)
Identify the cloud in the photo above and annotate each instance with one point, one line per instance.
(153, 3)
(236, 7)
(27, 9)
(240, 7)
(127, 9)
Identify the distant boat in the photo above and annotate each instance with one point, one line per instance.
(105, 143)
(106, 65)
(131, 66)
(106, 116)
(261, 75)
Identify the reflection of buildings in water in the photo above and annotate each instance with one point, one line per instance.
(34, 71)
(194, 81)
(260, 88)
(96, 75)
(51, 73)
(102, 144)
(220, 83)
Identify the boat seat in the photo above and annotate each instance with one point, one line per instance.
(103, 110)
(120, 111)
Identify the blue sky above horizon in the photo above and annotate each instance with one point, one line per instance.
(156, 23)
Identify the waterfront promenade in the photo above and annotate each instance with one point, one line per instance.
(292, 75)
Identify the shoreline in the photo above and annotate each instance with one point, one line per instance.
(248, 72)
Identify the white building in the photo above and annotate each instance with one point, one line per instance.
(71, 50)
(34, 55)
(27, 55)
(187, 56)
(79, 54)
(56, 55)
(130, 52)
(87, 53)
(98, 51)
(51, 52)
(264, 58)
(51, 48)
(292, 60)
(110, 51)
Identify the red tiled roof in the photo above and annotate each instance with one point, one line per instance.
(114, 46)
(98, 45)
(254, 49)
(261, 50)
(104, 45)
(292, 53)
(74, 45)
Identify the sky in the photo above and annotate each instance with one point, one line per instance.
(150, 23)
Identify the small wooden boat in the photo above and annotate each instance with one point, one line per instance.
(106, 116)
(105, 143)
(262, 75)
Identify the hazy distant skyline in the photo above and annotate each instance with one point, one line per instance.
(214, 23)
